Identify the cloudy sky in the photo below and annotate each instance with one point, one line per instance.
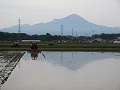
(101, 12)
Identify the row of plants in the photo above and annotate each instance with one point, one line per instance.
(63, 47)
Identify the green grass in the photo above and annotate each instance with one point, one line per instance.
(61, 46)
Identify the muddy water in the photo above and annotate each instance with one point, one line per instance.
(66, 71)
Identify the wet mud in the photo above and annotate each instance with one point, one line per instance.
(8, 61)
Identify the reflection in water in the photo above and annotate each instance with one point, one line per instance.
(34, 54)
(43, 55)
(77, 71)
(71, 60)
(61, 56)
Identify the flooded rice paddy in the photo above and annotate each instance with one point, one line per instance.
(65, 71)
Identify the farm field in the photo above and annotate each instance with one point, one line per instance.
(8, 61)
(63, 46)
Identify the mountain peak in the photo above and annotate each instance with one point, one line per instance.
(74, 21)
(74, 15)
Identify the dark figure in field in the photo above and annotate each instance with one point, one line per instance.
(50, 44)
(16, 44)
(34, 46)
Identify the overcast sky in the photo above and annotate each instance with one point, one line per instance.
(101, 12)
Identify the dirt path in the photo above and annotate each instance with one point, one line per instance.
(8, 61)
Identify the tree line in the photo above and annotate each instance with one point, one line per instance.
(48, 37)
(107, 36)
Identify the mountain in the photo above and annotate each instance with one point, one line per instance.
(79, 25)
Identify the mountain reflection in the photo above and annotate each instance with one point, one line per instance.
(66, 71)
(70, 60)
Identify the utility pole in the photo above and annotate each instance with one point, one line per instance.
(93, 32)
(76, 36)
(19, 29)
(72, 31)
(62, 32)
(76, 33)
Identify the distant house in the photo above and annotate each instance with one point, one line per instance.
(116, 41)
(118, 38)
(31, 40)
(97, 40)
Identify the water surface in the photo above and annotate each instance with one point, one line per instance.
(66, 71)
